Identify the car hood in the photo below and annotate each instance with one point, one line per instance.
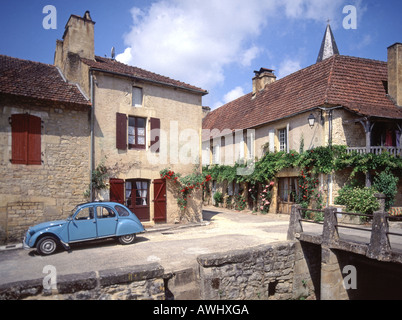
(49, 224)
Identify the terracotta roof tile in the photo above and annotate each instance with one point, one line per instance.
(36, 80)
(354, 83)
(110, 65)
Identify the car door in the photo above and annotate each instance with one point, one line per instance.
(82, 225)
(106, 221)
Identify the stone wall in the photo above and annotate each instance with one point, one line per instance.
(143, 282)
(265, 272)
(30, 194)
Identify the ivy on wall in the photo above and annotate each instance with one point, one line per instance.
(324, 160)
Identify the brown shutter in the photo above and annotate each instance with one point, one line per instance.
(121, 131)
(34, 140)
(155, 134)
(19, 128)
(117, 190)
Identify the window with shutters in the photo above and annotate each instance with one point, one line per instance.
(26, 139)
(131, 133)
(136, 133)
(282, 135)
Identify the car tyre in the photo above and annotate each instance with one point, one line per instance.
(127, 239)
(47, 245)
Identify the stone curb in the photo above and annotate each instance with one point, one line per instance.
(72, 283)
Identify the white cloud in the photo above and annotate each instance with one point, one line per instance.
(234, 94)
(195, 41)
(288, 66)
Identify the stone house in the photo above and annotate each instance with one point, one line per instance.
(142, 123)
(340, 100)
(44, 154)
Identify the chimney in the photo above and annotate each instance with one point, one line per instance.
(78, 42)
(262, 78)
(395, 73)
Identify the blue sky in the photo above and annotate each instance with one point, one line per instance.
(214, 44)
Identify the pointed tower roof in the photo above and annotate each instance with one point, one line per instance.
(328, 45)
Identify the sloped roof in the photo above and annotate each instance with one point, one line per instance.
(35, 80)
(109, 65)
(358, 85)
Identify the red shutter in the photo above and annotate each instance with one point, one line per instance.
(19, 128)
(121, 131)
(34, 140)
(117, 190)
(155, 134)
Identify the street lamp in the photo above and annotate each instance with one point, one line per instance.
(311, 121)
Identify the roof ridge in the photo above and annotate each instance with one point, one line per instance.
(138, 69)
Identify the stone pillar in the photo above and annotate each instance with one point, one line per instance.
(330, 232)
(380, 247)
(332, 287)
(295, 226)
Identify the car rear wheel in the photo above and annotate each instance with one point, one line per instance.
(127, 239)
(46, 245)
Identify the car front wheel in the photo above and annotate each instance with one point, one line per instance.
(46, 246)
(127, 239)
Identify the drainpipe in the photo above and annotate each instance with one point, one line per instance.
(92, 156)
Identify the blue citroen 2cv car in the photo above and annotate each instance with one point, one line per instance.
(89, 221)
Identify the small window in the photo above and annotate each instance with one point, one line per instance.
(137, 97)
(104, 212)
(282, 139)
(122, 211)
(85, 214)
(136, 133)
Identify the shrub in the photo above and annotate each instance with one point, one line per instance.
(218, 198)
(387, 184)
(361, 200)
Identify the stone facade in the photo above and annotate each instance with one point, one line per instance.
(31, 194)
(143, 282)
(178, 111)
(261, 273)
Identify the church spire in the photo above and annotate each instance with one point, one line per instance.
(328, 46)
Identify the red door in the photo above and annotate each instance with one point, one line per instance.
(117, 190)
(138, 198)
(160, 200)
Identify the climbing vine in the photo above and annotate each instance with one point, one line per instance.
(325, 160)
(185, 185)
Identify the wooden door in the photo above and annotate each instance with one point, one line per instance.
(160, 200)
(117, 190)
(138, 198)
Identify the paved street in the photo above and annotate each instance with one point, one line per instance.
(175, 249)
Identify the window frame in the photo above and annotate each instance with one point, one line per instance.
(282, 135)
(136, 127)
(138, 90)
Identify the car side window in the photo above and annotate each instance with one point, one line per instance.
(122, 211)
(104, 212)
(85, 214)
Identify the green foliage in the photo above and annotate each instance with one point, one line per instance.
(239, 202)
(358, 199)
(387, 184)
(218, 198)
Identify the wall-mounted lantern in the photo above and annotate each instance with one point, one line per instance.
(311, 120)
